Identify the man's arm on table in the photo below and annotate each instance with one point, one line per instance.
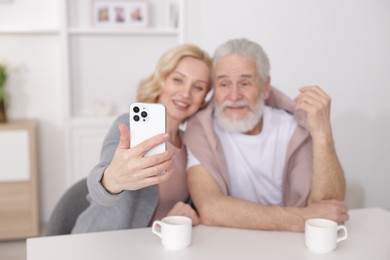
(217, 209)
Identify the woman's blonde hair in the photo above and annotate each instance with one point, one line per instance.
(150, 88)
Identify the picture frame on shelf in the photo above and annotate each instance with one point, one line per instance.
(120, 13)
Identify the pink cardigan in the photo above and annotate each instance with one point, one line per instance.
(202, 141)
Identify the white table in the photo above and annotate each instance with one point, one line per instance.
(368, 230)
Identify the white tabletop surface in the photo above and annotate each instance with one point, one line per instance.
(368, 238)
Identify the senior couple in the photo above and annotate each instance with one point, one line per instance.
(249, 158)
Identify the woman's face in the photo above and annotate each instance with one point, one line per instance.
(185, 88)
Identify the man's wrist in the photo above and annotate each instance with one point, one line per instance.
(294, 219)
(322, 138)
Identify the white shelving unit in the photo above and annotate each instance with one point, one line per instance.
(32, 31)
(104, 65)
(102, 68)
(145, 32)
(96, 65)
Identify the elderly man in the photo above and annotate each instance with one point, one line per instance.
(257, 159)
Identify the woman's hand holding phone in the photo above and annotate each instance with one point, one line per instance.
(131, 170)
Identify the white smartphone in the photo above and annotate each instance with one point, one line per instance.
(147, 120)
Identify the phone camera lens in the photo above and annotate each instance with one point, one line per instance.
(144, 114)
(136, 118)
(136, 110)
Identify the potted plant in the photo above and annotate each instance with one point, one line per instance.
(3, 78)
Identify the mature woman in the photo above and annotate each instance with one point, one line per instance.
(127, 190)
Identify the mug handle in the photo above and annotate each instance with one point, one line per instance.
(155, 228)
(345, 233)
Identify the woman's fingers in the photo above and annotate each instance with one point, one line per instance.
(129, 170)
(148, 162)
(149, 181)
(148, 144)
(145, 170)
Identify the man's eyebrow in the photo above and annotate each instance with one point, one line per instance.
(248, 76)
(222, 77)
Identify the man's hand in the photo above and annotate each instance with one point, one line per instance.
(330, 209)
(316, 104)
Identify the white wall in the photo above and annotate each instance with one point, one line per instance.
(342, 46)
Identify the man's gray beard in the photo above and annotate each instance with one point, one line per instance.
(235, 125)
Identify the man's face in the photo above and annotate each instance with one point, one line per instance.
(238, 92)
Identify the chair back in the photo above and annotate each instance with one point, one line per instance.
(67, 210)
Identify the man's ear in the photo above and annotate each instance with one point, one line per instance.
(266, 88)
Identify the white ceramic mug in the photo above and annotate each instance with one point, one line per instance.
(175, 231)
(322, 235)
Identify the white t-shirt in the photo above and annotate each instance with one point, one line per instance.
(255, 163)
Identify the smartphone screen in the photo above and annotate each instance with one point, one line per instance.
(146, 121)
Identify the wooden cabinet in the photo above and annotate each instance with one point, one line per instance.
(19, 212)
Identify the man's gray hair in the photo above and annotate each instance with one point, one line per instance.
(245, 47)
